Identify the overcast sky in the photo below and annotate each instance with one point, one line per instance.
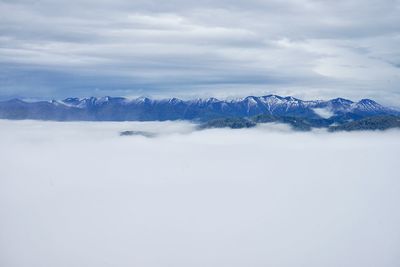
(186, 48)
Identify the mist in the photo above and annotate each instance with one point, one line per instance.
(78, 194)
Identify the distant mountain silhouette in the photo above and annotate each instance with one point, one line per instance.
(146, 109)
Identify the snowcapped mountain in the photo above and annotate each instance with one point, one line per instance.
(145, 109)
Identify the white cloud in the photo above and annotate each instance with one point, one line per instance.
(325, 113)
(77, 194)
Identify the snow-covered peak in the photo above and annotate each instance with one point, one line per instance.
(341, 101)
(174, 101)
(368, 105)
(272, 100)
(292, 99)
(251, 100)
(212, 100)
(74, 102)
(142, 99)
(103, 100)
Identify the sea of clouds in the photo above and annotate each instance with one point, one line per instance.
(78, 194)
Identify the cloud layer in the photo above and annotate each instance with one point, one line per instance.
(77, 194)
(311, 49)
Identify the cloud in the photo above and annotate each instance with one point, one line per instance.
(78, 194)
(325, 113)
(319, 48)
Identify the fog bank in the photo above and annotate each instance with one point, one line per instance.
(78, 194)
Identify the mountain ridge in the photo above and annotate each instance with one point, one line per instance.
(146, 109)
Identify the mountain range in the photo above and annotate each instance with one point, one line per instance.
(146, 109)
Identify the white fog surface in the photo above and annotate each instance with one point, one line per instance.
(78, 194)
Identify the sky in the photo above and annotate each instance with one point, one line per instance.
(185, 48)
(78, 194)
